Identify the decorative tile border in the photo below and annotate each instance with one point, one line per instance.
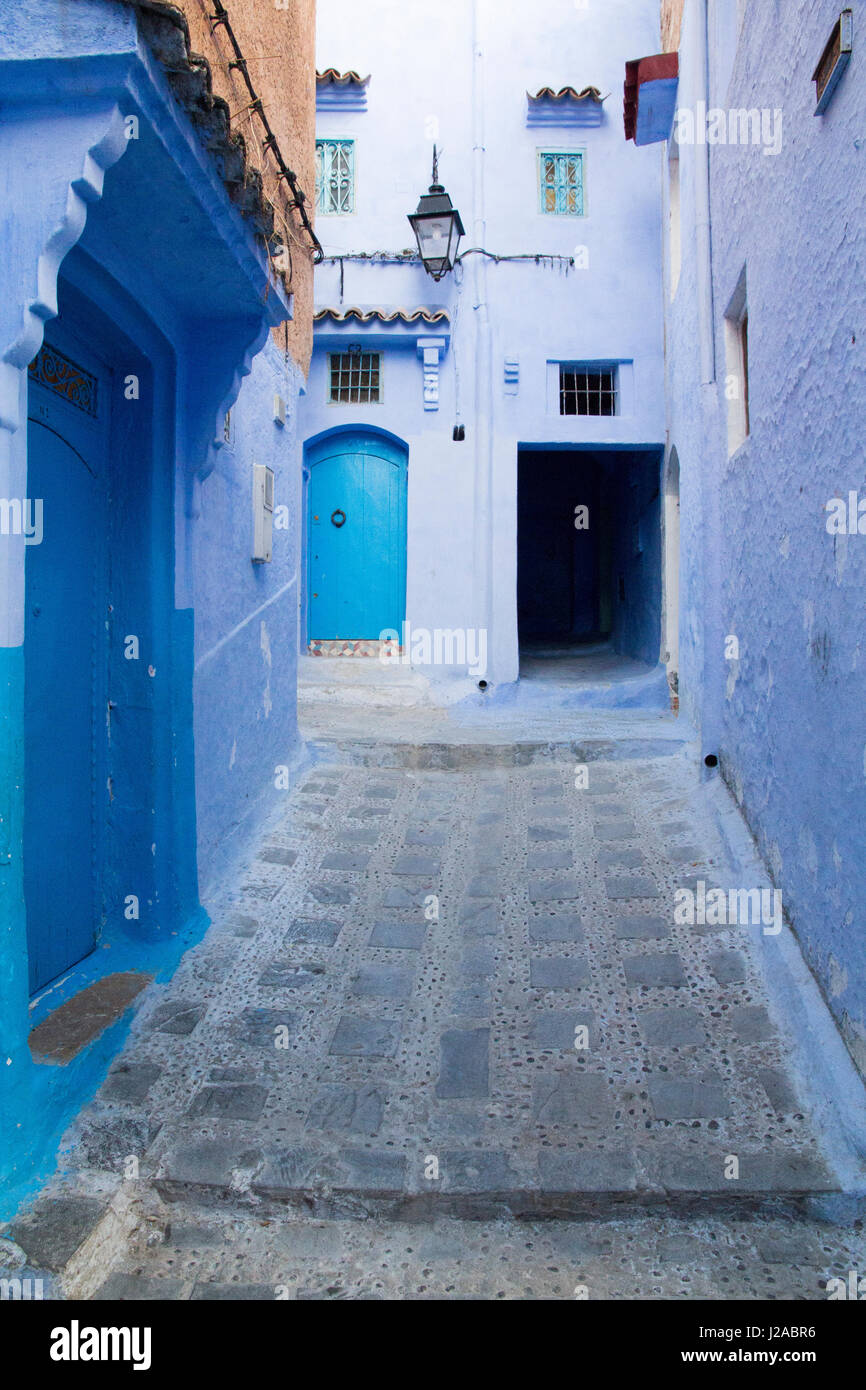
(345, 646)
(64, 376)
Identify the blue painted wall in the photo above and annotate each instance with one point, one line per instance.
(788, 717)
(635, 531)
(188, 782)
(462, 497)
(246, 619)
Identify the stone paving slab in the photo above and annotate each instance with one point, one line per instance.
(221, 1255)
(401, 1012)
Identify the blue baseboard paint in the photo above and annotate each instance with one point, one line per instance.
(45, 1098)
(38, 1100)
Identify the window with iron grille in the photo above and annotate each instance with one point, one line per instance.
(587, 390)
(355, 378)
(561, 183)
(335, 176)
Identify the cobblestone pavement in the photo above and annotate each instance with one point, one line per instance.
(454, 994)
(208, 1255)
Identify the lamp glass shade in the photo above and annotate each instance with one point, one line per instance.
(438, 229)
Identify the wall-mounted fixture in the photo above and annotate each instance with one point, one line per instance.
(340, 91)
(430, 350)
(437, 227)
(834, 61)
(279, 410)
(263, 512)
(566, 107)
(650, 97)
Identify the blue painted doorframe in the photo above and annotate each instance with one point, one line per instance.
(109, 811)
(356, 535)
(66, 655)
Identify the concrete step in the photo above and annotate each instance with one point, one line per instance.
(212, 1253)
(464, 756)
(359, 681)
(62, 1245)
(478, 734)
(479, 1185)
(626, 687)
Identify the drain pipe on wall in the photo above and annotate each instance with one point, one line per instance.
(483, 430)
(713, 674)
(703, 234)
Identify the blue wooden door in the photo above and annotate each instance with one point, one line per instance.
(357, 537)
(65, 658)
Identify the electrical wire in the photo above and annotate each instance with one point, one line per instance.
(221, 19)
(407, 257)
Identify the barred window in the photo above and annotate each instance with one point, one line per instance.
(561, 183)
(335, 176)
(587, 390)
(355, 377)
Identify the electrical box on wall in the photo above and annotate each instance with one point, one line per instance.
(263, 512)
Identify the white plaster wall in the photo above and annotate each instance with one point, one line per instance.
(462, 496)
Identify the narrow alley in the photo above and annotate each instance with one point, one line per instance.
(449, 988)
(432, 741)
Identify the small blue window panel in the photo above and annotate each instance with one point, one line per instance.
(335, 176)
(561, 184)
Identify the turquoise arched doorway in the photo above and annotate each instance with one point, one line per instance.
(356, 536)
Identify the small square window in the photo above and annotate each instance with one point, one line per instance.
(335, 176)
(587, 390)
(355, 378)
(561, 184)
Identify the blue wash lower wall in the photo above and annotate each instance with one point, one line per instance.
(246, 621)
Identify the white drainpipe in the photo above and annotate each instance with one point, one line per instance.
(714, 674)
(702, 203)
(483, 423)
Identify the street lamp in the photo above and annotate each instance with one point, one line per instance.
(437, 227)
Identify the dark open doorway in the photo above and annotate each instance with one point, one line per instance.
(588, 558)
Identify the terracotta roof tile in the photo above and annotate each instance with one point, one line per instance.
(383, 315)
(567, 94)
(331, 77)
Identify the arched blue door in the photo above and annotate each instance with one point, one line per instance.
(357, 536)
(65, 656)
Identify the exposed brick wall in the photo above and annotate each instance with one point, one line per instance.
(279, 46)
(672, 19)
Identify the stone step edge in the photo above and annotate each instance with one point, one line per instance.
(118, 1217)
(512, 753)
(369, 1203)
(484, 1182)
